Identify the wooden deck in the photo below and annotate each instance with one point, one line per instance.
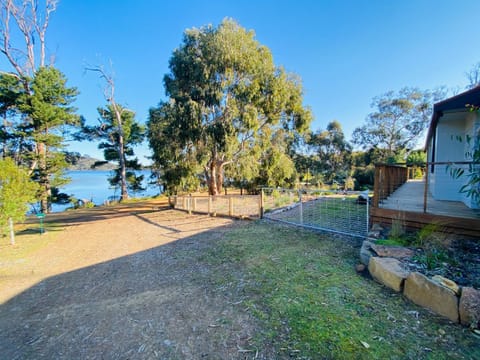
(409, 197)
(406, 204)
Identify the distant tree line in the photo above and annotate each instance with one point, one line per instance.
(231, 118)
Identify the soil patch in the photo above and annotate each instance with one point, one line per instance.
(460, 262)
(131, 284)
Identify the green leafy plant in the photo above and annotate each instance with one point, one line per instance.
(16, 191)
(436, 243)
(398, 228)
(472, 187)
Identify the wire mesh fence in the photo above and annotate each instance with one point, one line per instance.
(243, 206)
(344, 213)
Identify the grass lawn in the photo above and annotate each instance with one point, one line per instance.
(310, 303)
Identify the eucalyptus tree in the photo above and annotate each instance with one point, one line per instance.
(43, 104)
(332, 152)
(398, 122)
(228, 105)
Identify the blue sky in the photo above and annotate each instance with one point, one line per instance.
(346, 52)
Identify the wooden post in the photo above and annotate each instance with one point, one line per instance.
(376, 186)
(209, 204)
(261, 204)
(194, 207)
(425, 192)
(301, 206)
(230, 206)
(189, 202)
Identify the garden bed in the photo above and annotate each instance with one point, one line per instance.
(434, 269)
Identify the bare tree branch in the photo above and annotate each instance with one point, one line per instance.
(30, 24)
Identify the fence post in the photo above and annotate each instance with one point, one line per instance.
(425, 192)
(189, 204)
(194, 206)
(301, 206)
(368, 215)
(230, 206)
(209, 204)
(376, 186)
(261, 204)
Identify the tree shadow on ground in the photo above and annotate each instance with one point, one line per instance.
(157, 303)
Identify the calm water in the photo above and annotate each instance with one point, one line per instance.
(93, 185)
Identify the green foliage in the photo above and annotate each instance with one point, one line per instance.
(472, 172)
(118, 141)
(398, 122)
(400, 241)
(41, 116)
(332, 153)
(16, 191)
(229, 106)
(398, 228)
(417, 158)
(364, 177)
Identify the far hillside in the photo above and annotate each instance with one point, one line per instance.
(76, 161)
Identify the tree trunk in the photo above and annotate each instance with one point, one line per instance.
(123, 169)
(219, 176)
(212, 179)
(44, 181)
(121, 152)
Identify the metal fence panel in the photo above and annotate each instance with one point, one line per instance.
(343, 213)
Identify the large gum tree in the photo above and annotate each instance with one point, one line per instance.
(228, 104)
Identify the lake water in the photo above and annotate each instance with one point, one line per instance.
(93, 185)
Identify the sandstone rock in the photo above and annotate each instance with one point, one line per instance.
(469, 308)
(392, 251)
(388, 271)
(366, 252)
(449, 284)
(428, 293)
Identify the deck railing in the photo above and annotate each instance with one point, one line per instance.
(388, 178)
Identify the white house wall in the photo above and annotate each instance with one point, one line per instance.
(473, 130)
(449, 148)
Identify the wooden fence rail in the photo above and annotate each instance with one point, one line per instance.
(240, 206)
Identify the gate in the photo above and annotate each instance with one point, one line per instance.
(338, 212)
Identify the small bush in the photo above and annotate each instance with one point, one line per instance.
(433, 236)
(436, 244)
(398, 228)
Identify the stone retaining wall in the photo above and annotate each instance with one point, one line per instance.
(440, 295)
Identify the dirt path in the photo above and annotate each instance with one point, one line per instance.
(129, 285)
